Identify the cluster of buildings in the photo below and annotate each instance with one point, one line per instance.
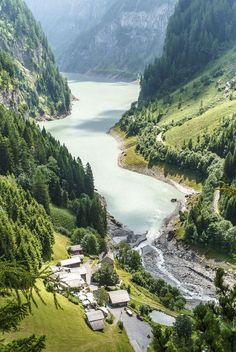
(73, 274)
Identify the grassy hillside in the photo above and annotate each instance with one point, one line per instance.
(191, 111)
(65, 328)
(62, 217)
(60, 247)
(191, 132)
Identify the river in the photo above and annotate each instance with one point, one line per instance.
(139, 202)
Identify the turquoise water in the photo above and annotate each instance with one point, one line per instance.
(139, 202)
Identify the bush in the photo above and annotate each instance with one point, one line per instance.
(110, 320)
(73, 299)
(120, 325)
(144, 310)
(133, 305)
(102, 297)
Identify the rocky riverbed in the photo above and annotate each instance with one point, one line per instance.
(174, 262)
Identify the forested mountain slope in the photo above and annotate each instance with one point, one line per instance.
(197, 33)
(45, 168)
(26, 232)
(29, 78)
(108, 37)
(190, 130)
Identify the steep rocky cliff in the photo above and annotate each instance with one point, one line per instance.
(29, 78)
(116, 37)
(64, 20)
(128, 37)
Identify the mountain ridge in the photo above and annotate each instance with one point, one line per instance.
(125, 36)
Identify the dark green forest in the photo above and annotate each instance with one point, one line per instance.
(197, 33)
(44, 167)
(30, 81)
(26, 232)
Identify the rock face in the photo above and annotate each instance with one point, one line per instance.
(29, 78)
(64, 20)
(114, 37)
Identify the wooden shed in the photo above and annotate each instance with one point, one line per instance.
(95, 319)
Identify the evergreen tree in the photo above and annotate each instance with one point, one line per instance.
(90, 244)
(89, 181)
(40, 190)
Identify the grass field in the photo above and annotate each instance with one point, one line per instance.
(62, 218)
(139, 295)
(65, 328)
(60, 248)
(206, 122)
(136, 161)
(130, 158)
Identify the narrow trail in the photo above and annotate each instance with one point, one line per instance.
(215, 204)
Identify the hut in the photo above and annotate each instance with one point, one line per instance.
(73, 262)
(81, 270)
(75, 250)
(119, 298)
(95, 319)
(107, 258)
(72, 280)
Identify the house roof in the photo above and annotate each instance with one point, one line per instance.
(74, 283)
(81, 270)
(71, 261)
(71, 279)
(94, 315)
(108, 255)
(55, 268)
(86, 303)
(120, 296)
(97, 325)
(76, 248)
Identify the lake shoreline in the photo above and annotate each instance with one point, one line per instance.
(145, 170)
(181, 261)
(50, 118)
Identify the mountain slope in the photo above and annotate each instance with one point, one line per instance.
(129, 35)
(197, 33)
(64, 20)
(29, 79)
(185, 125)
(111, 37)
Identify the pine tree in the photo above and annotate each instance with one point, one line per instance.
(40, 190)
(89, 181)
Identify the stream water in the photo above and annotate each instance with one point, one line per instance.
(139, 202)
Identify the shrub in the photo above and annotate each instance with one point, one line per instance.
(120, 325)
